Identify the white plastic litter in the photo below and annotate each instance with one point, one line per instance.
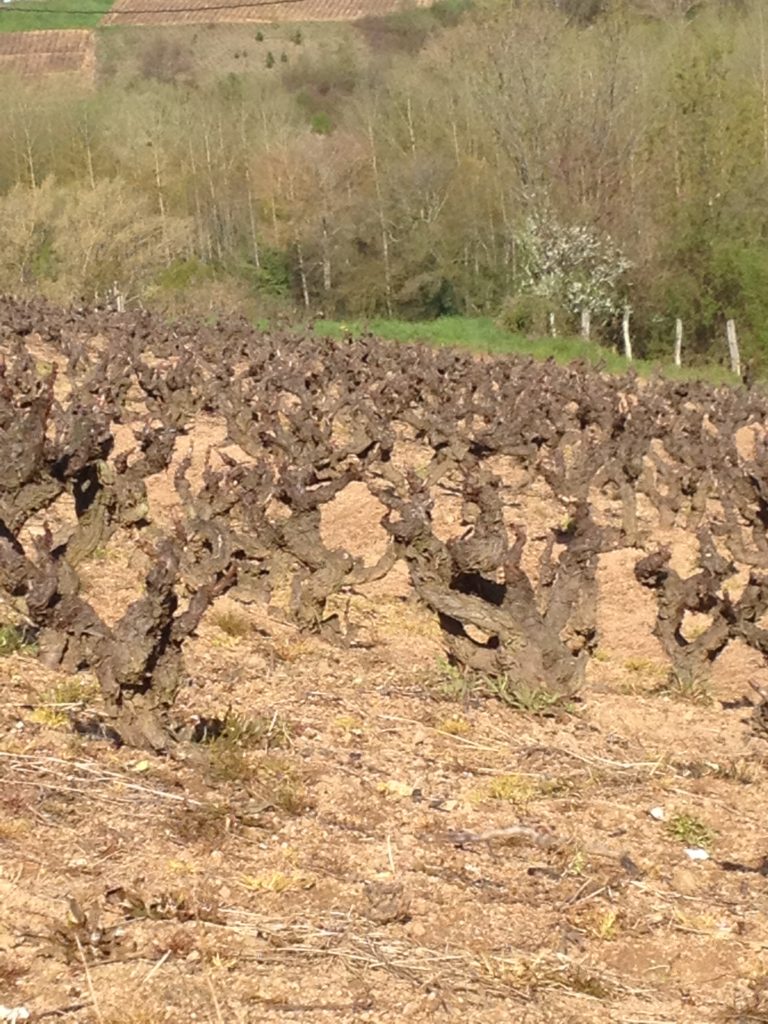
(696, 853)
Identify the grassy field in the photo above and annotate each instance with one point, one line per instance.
(26, 15)
(481, 334)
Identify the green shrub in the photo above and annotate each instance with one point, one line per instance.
(526, 314)
(182, 273)
(321, 123)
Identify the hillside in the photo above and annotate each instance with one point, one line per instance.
(560, 168)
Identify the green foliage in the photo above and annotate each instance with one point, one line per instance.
(270, 59)
(15, 640)
(451, 684)
(526, 314)
(689, 830)
(321, 123)
(273, 277)
(57, 704)
(481, 334)
(322, 80)
(533, 700)
(183, 273)
(686, 687)
(263, 732)
(450, 12)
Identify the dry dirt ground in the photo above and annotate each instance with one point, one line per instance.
(380, 844)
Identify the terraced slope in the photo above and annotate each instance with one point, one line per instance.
(188, 12)
(47, 51)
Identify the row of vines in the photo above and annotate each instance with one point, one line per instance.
(623, 459)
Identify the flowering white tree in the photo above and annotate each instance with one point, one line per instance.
(573, 266)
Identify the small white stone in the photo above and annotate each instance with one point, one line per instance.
(696, 853)
(13, 1014)
(657, 813)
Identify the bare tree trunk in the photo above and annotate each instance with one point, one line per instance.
(203, 238)
(733, 347)
(455, 136)
(409, 121)
(88, 152)
(249, 193)
(161, 205)
(272, 197)
(302, 272)
(763, 84)
(252, 220)
(30, 157)
(212, 190)
(552, 324)
(382, 223)
(326, 257)
(678, 342)
(678, 174)
(626, 335)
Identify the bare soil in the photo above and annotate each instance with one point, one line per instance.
(385, 847)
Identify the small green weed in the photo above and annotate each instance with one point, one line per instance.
(258, 732)
(452, 685)
(644, 667)
(56, 704)
(685, 686)
(515, 789)
(455, 725)
(16, 640)
(534, 700)
(689, 830)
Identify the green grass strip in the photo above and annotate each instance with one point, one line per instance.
(29, 15)
(483, 335)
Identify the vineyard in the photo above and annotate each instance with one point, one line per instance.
(343, 676)
(191, 12)
(47, 52)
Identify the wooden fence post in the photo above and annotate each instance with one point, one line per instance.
(678, 342)
(733, 346)
(626, 335)
(585, 324)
